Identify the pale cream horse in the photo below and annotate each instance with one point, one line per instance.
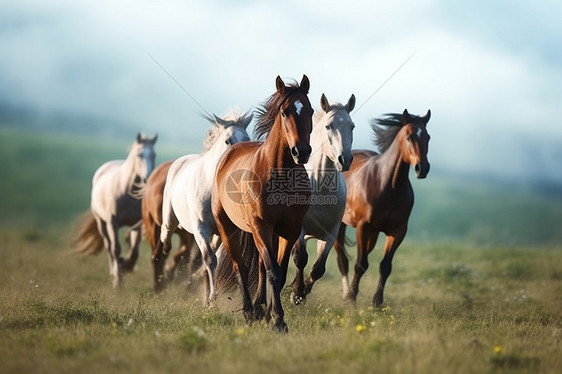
(117, 189)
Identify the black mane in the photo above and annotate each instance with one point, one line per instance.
(268, 111)
(385, 129)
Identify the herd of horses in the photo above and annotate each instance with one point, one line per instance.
(248, 205)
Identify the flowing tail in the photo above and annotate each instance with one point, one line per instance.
(226, 277)
(88, 240)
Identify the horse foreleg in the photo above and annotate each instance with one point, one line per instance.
(135, 237)
(319, 268)
(114, 250)
(260, 298)
(385, 267)
(343, 262)
(263, 239)
(169, 225)
(300, 258)
(202, 236)
(366, 241)
(179, 268)
(230, 235)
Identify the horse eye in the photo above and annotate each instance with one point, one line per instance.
(283, 114)
(328, 127)
(227, 142)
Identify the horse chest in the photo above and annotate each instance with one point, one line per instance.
(128, 210)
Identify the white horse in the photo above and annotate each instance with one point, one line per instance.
(187, 193)
(115, 202)
(331, 139)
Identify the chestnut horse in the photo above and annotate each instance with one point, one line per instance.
(152, 219)
(117, 189)
(261, 192)
(380, 196)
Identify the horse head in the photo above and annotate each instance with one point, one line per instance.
(338, 131)
(296, 118)
(145, 155)
(415, 142)
(229, 130)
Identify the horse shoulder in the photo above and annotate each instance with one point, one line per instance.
(108, 168)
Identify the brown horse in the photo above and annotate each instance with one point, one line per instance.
(380, 196)
(262, 188)
(152, 218)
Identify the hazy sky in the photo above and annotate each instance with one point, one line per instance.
(490, 71)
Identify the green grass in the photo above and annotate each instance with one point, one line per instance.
(450, 308)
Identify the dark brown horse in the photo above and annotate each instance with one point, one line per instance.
(152, 218)
(380, 196)
(262, 188)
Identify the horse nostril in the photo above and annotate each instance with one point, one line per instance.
(294, 151)
(417, 168)
(309, 149)
(340, 159)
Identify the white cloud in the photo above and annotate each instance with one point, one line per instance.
(483, 90)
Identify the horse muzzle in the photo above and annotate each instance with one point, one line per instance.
(301, 154)
(422, 170)
(344, 163)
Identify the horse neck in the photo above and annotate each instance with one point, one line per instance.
(394, 168)
(210, 158)
(276, 149)
(319, 161)
(129, 173)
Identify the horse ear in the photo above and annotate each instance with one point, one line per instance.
(305, 83)
(280, 85)
(154, 138)
(350, 104)
(427, 117)
(139, 137)
(219, 121)
(324, 103)
(406, 117)
(246, 119)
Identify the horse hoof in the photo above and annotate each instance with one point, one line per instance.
(298, 298)
(281, 328)
(259, 312)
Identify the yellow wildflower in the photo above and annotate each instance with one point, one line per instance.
(360, 328)
(498, 350)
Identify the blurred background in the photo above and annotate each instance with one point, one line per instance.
(78, 80)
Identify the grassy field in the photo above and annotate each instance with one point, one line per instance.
(448, 309)
(475, 288)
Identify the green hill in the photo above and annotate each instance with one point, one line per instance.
(46, 180)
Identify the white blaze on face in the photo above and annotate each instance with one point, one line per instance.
(298, 107)
(419, 133)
